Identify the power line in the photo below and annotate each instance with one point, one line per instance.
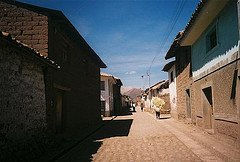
(173, 17)
(171, 25)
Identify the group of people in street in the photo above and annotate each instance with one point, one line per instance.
(157, 109)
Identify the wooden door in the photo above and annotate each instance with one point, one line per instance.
(188, 100)
(208, 107)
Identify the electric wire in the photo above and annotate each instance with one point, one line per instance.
(179, 7)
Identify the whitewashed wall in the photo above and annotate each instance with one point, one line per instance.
(173, 91)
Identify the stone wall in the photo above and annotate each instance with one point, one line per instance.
(29, 27)
(22, 95)
(79, 77)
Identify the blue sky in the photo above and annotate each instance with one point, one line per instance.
(126, 34)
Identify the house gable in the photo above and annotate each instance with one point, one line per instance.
(32, 13)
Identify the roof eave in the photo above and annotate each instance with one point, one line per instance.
(168, 66)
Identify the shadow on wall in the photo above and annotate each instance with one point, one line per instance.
(86, 150)
(183, 59)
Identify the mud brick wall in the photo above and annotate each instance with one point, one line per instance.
(225, 110)
(79, 73)
(28, 27)
(22, 94)
(183, 81)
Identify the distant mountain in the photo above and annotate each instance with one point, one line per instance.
(133, 93)
(125, 89)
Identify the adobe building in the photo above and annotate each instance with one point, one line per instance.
(72, 97)
(161, 90)
(107, 100)
(170, 68)
(22, 95)
(212, 34)
(183, 74)
(117, 97)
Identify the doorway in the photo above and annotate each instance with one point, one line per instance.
(188, 103)
(208, 107)
(59, 111)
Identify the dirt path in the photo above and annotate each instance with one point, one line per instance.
(140, 137)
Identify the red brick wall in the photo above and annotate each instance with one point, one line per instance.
(28, 27)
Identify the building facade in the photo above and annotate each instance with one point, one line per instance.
(161, 90)
(107, 101)
(22, 95)
(117, 97)
(211, 78)
(170, 68)
(111, 98)
(50, 33)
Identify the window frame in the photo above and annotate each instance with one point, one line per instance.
(213, 29)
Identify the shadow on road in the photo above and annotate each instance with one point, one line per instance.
(164, 118)
(86, 150)
(115, 128)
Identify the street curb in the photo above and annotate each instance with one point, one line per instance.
(61, 154)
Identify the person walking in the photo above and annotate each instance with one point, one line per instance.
(134, 105)
(157, 110)
(158, 105)
(142, 106)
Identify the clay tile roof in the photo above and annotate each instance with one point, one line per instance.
(194, 16)
(157, 84)
(171, 52)
(58, 15)
(106, 75)
(168, 66)
(117, 80)
(174, 46)
(33, 52)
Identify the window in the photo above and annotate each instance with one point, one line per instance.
(211, 39)
(102, 85)
(171, 76)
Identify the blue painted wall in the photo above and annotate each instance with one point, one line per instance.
(227, 33)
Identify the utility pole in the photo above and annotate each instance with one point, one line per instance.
(149, 90)
(142, 81)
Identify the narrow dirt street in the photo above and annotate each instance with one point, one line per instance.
(138, 136)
